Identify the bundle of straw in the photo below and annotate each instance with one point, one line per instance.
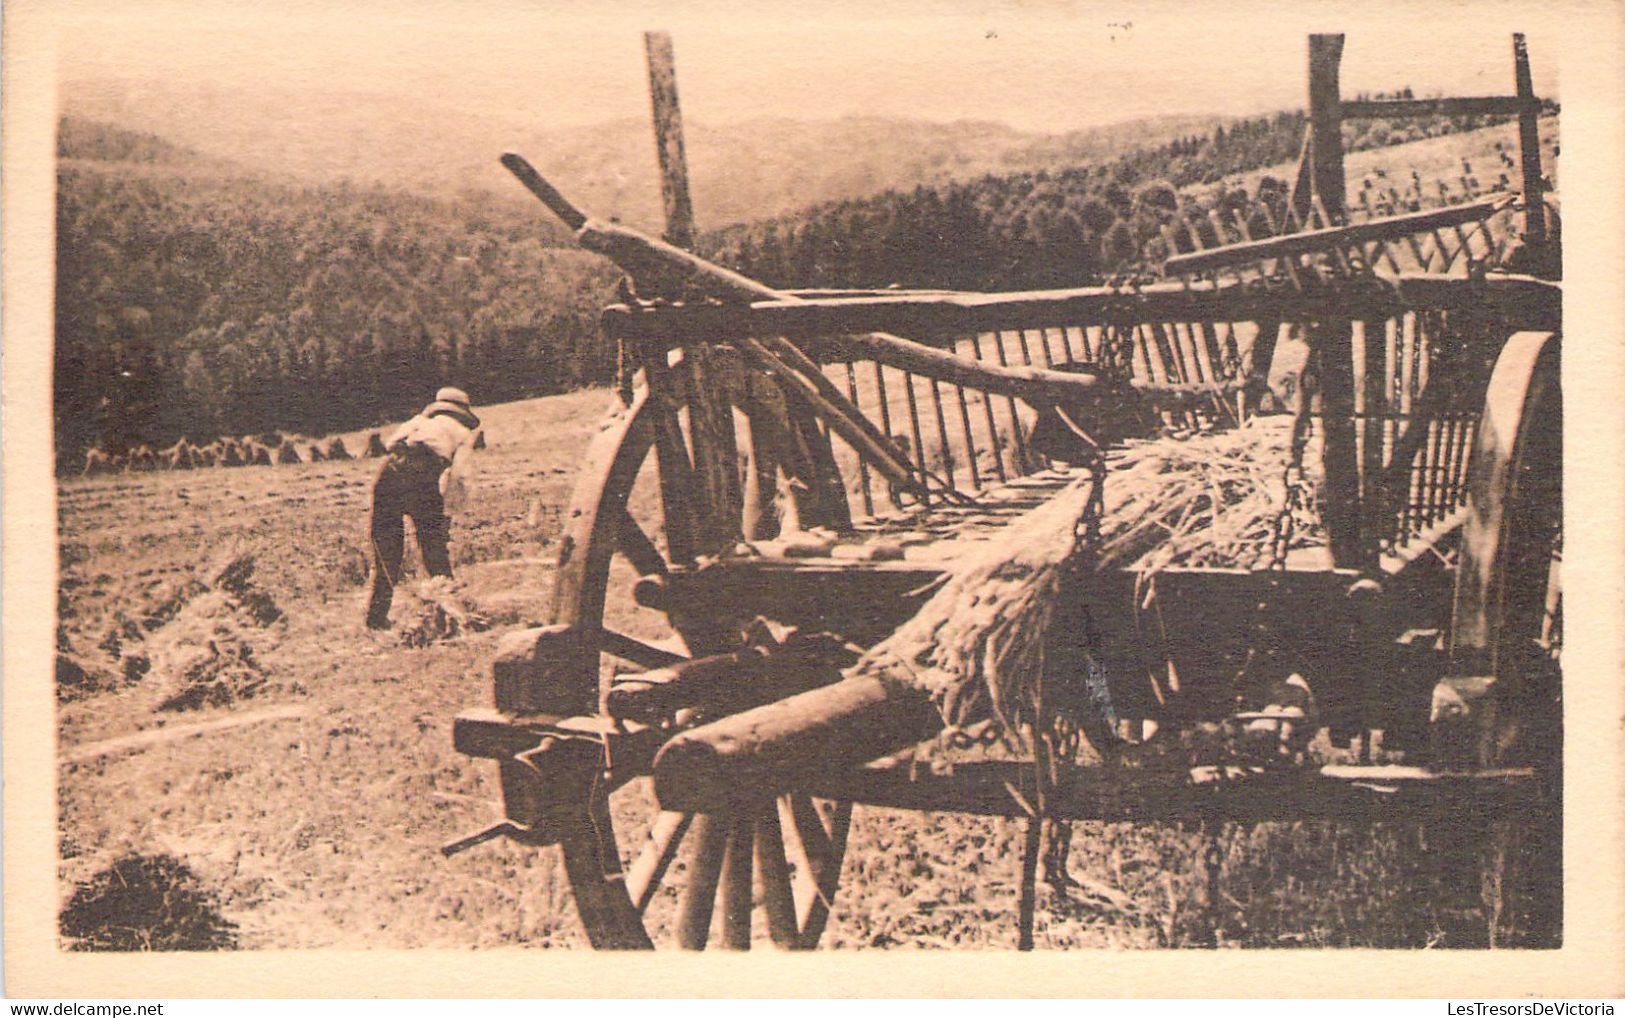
(982, 644)
(1207, 500)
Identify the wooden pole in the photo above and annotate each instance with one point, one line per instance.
(754, 755)
(711, 424)
(668, 120)
(1534, 215)
(1326, 123)
(1332, 338)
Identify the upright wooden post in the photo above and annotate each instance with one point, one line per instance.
(711, 425)
(1332, 339)
(1326, 123)
(1534, 215)
(668, 120)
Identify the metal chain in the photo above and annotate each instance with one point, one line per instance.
(1296, 489)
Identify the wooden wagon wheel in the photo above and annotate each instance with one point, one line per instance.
(1507, 613)
(632, 517)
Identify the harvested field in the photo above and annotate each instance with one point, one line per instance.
(319, 829)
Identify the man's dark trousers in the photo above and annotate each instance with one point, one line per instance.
(407, 485)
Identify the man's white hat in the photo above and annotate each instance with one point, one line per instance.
(454, 402)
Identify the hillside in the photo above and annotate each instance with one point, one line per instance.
(740, 171)
(199, 295)
(1073, 224)
(194, 298)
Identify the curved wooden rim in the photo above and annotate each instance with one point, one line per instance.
(730, 849)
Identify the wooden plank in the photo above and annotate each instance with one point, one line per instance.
(1349, 793)
(1461, 106)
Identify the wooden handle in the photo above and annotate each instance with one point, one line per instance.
(573, 217)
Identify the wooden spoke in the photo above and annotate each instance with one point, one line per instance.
(778, 898)
(665, 837)
(736, 885)
(645, 655)
(1029, 888)
(711, 844)
(632, 542)
(822, 845)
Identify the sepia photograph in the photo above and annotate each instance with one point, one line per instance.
(526, 479)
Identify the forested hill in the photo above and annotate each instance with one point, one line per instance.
(1067, 226)
(195, 299)
(740, 171)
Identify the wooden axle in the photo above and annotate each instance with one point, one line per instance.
(748, 758)
(729, 682)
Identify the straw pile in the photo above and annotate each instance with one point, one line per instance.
(1208, 500)
(439, 610)
(980, 645)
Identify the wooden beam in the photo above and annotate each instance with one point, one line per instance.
(1469, 106)
(938, 319)
(1334, 238)
(727, 681)
(1168, 791)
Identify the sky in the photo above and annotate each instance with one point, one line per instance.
(1038, 65)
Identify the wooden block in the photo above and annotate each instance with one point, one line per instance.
(546, 670)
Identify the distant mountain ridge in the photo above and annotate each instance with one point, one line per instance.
(740, 172)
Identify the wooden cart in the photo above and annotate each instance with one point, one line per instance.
(781, 480)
